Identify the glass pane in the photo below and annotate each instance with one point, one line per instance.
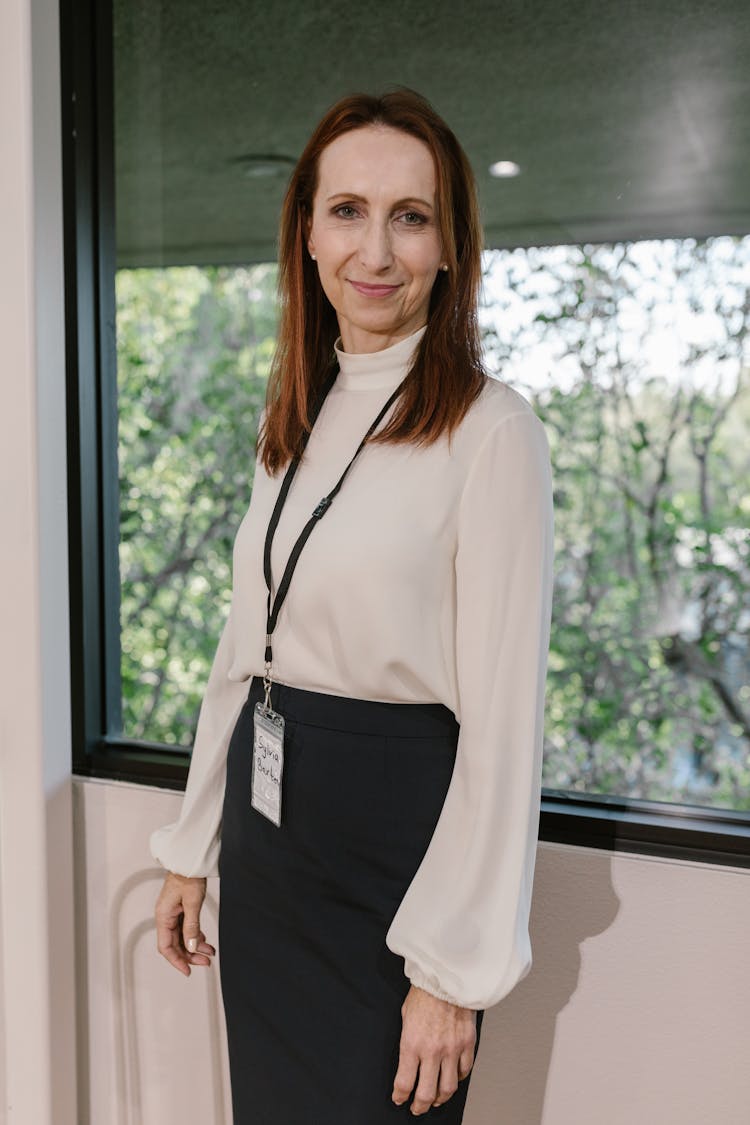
(636, 358)
(194, 345)
(612, 155)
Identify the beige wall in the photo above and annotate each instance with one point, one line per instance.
(36, 871)
(637, 1007)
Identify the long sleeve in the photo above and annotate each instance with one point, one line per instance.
(462, 926)
(190, 846)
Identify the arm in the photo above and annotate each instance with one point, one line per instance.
(190, 846)
(462, 926)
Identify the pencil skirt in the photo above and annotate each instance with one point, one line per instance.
(312, 995)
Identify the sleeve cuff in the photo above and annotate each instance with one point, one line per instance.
(427, 983)
(163, 850)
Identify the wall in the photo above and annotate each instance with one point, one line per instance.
(637, 1006)
(36, 882)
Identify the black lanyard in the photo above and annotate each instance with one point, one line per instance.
(317, 515)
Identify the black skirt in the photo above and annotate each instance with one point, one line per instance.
(312, 994)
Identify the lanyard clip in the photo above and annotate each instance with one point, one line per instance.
(322, 507)
(267, 685)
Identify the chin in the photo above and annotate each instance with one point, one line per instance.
(378, 315)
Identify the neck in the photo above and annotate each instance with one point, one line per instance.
(356, 340)
(386, 367)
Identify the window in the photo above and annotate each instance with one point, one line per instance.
(615, 298)
(193, 350)
(636, 356)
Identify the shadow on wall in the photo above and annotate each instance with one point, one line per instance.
(518, 1034)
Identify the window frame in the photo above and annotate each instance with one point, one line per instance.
(655, 828)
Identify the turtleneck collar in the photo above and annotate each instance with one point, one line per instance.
(368, 371)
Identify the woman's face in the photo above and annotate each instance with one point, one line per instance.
(374, 234)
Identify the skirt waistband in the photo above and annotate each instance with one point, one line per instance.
(358, 716)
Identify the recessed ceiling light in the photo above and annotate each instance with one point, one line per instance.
(504, 169)
(255, 165)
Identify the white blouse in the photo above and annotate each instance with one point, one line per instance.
(429, 580)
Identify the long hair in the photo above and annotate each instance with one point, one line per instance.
(446, 374)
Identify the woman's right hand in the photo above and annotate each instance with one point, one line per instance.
(179, 937)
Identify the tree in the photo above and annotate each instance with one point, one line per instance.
(648, 685)
(194, 347)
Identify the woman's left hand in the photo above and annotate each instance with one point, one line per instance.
(437, 1038)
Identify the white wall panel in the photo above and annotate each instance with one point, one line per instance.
(637, 1007)
(156, 1039)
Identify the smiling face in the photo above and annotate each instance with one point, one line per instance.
(374, 234)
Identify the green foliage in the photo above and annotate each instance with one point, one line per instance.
(649, 672)
(194, 348)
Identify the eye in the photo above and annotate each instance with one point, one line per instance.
(413, 219)
(345, 207)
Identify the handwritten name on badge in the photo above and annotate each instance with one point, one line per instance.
(268, 762)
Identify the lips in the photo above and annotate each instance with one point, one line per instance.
(373, 290)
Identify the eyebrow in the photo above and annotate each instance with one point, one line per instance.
(361, 199)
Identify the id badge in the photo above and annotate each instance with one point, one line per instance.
(268, 761)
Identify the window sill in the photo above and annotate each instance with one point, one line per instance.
(690, 832)
(657, 828)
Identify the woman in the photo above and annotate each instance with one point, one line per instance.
(391, 603)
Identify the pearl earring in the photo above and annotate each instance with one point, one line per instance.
(444, 267)
(313, 257)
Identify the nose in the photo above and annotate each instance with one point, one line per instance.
(375, 251)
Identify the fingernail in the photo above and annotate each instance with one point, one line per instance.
(192, 944)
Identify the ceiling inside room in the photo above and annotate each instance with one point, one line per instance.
(629, 119)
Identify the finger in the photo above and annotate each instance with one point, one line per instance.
(168, 941)
(448, 1079)
(426, 1092)
(406, 1075)
(192, 935)
(465, 1063)
(191, 943)
(203, 954)
(177, 959)
(168, 944)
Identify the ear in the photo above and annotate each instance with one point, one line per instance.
(308, 237)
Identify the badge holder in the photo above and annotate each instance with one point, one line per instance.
(268, 756)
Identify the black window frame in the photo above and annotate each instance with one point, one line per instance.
(666, 829)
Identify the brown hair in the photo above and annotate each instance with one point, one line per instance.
(446, 374)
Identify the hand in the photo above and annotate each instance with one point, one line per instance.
(179, 937)
(438, 1038)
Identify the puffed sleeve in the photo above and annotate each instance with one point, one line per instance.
(462, 926)
(190, 846)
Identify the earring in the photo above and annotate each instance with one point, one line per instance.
(313, 257)
(444, 267)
